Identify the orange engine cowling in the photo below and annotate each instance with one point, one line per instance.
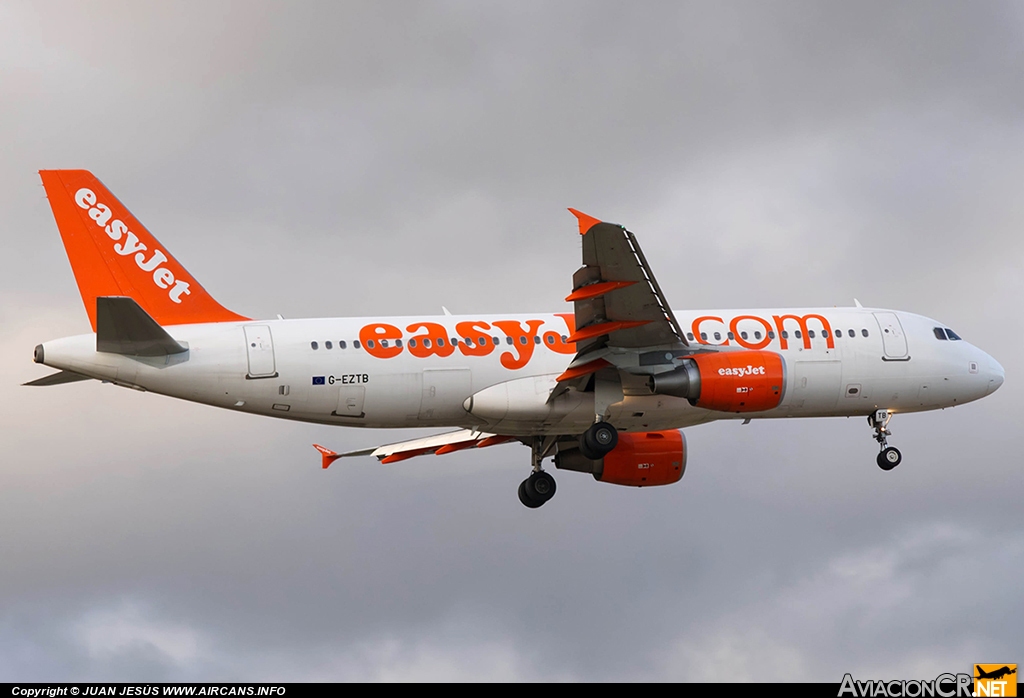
(740, 381)
(639, 460)
(728, 381)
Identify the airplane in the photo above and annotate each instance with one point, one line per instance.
(995, 674)
(605, 389)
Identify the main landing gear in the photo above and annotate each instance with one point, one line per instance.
(595, 443)
(888, 456)
(599, 440)
(535, 490)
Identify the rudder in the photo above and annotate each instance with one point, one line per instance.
(113, 254)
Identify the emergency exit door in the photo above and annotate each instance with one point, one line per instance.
(259, 347)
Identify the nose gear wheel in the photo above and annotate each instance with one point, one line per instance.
(889, 456)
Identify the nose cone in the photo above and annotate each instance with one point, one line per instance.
(995, 375)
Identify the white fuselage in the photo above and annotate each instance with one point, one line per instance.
(272, 368)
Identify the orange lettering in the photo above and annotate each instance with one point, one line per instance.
(696, 329)
(744, 343)
(481, 344)
(433, 343)
(802, 320)
(375, 337)
(522, 342)
(555, 343)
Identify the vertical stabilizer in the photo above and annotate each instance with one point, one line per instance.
(112, 254)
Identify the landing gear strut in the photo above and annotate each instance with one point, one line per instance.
(540, 486)
(888, 456)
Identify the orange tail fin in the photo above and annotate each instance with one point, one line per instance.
(112, 254)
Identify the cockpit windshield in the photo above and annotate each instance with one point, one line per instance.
(940, 333)
(952, 335)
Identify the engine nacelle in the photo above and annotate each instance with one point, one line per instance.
(728, 381)
(645, 459)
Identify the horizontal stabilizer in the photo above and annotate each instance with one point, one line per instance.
(123, 327)
(58, 378)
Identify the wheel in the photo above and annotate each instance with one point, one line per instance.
(889, 458)
(540, 486)
(525, 497)
(599, 440)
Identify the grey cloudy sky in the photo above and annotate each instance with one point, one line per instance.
(325, 159)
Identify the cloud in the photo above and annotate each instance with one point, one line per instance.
(127, 630)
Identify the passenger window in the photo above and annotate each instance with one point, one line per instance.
(412, 343)
(482, 341)
(355, 343)
(771, 335)
(341, 343)
(704, 336)
(522, 340)
(852, 333)
(495, 341)
(939, 334)
(839, 333)
(370, 344)
(314, 345)
(757, 334)
(730, 335)
(689, 336)
(328, 345)
(798, 335)
(426, 342)
(810, 333)
(455, 341)
(718, 336)
(398, 343)
(952, 335)
(508, 340)
(864, 332)
(743, 335)
(536, 339)
(565, 339)
(785, 334)
(551, 339)
(440, 341)
(383, 342)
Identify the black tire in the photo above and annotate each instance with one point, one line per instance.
(889, 458)
(525, 497)
(599, 440)
(540, 486)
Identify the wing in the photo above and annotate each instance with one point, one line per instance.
(438, 444)
(622, 317)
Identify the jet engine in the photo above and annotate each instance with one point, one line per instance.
(644, 459)
(728, 381)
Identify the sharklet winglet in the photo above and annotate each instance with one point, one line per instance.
(327, 455)
(586, 222)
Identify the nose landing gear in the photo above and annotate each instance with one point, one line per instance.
(889, 456)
